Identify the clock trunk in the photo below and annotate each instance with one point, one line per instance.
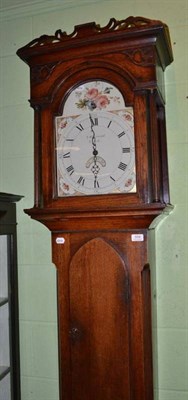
(105, 316)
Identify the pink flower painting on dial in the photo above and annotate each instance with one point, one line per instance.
(92, 93)
(95, 99)
(102, 101)
(128, 117)
(128, 183)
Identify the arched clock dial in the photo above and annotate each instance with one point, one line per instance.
(95, 151)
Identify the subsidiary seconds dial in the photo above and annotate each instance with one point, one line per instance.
(95, 155)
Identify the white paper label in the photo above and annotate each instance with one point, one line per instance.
(139, 237)
(60, 240)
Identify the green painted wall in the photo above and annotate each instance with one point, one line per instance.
(37, 276)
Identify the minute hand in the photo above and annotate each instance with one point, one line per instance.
(95, 168)
(95, 152)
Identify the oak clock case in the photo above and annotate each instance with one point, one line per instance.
(95, 142)
(101, 179)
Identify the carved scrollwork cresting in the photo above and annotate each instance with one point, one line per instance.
(125, 24)
(89, 29)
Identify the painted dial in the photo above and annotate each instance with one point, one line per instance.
(95, 155)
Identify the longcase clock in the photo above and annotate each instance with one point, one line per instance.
(101, 178)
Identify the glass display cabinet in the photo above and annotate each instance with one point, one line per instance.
(9, 328)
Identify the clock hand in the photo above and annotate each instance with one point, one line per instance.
(91, 120)
(100, 160)
(95, 168)
(95, 152)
